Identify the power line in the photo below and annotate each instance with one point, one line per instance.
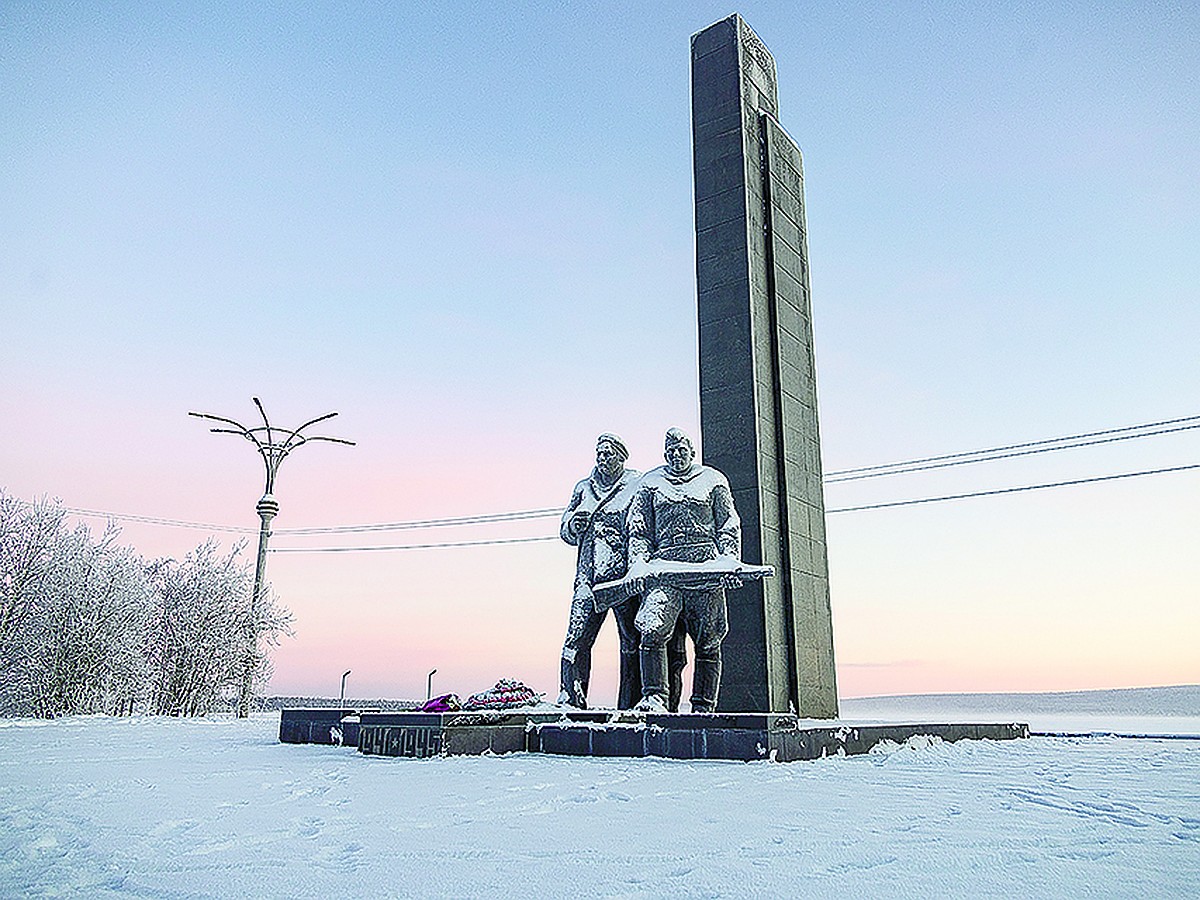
(524, 540)
(329, 529)
(1012, 490)
(1047, 445)
(152, 520)
(427, 523)
(1068, 437)
(837, 478)
(1065, 442)
(844, 509)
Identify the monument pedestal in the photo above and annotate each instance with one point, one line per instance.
(473, 733)
(733, 736)
(318, 725)
(740, 736)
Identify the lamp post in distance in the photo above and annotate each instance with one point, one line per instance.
(429, 684)
(342, 695)
(273, 444)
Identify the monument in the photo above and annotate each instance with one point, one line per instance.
(758, 399)
(758, 416)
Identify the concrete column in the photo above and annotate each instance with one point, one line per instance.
(758, 399)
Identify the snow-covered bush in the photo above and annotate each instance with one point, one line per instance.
(197, 650)
(29, 537)
(86, 644)
(73, 616)
(87, 626)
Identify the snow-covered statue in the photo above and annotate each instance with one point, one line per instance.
(685, 544)
(594, 521)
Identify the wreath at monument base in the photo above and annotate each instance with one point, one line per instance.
(508, 693)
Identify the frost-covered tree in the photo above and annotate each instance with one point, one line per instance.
(88, 640)
(73, 616)
(197, 650)
(29, 537)
(86, 626)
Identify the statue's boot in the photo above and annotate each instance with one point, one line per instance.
(629, 689)
(706, 681)
(654, 680)
(573, 693)
(583, 674)
(676, 663)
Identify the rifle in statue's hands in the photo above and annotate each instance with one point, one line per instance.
(643, 576)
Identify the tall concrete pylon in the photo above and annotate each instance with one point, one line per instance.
(758, 395)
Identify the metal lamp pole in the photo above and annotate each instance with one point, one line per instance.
(342, 696)
(273, 444)
(429, 685)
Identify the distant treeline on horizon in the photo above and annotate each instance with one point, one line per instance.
(275, 703)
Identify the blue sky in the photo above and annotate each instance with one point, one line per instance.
(468, 228)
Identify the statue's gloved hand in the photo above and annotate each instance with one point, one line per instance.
(579, 522)
(730, 582)
(638, 568)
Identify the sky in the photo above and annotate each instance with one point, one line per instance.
(468, 229)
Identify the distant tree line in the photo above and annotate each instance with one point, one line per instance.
(386, 704)
(88, 626)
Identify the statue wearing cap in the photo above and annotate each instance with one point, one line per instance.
(684, 548)
(594, 521)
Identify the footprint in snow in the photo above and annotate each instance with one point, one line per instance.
(174, 827)
(310, 827)
(348, 857)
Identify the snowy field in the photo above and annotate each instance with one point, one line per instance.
(1159, 710)
(168, 808)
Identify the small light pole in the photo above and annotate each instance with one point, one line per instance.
(429, 684)
(273, 445)
(342, 695)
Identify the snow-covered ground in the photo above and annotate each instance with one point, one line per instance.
(1136, 711)
(101, 807)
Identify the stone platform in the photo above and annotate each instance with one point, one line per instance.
(733, 736)
(319, 725)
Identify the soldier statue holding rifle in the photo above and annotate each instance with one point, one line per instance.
(684, 550)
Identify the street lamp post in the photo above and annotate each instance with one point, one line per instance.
(273, 444)
(429, 685)
(342, 696)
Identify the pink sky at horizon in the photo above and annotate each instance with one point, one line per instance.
(478, 614)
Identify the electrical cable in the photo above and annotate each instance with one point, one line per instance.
(835, 478)
(524, 540)
(1068, 437)
(154, 520)
(330, 529)
(1065, 442)
(1012, 490)
(427, 523)
(844, 509)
